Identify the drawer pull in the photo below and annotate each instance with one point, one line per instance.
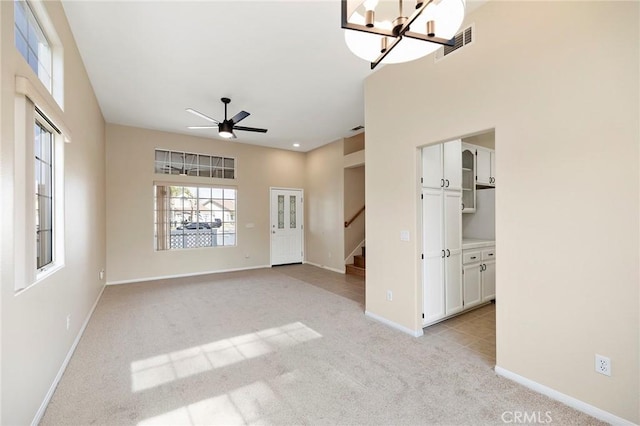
(490, 254)
(473, 257)
(441, 183)
(448, 253)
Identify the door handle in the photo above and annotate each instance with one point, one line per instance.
(447, 182)
(448, 253)
(273, 232)
(462, 206)
(443, 254)
(441, 183)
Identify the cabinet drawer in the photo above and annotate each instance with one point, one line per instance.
(489, 254)
(470, 257)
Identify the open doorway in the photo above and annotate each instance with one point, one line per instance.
(459, 250)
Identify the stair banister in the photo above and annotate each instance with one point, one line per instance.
(349, 222)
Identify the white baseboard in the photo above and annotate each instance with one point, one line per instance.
(572, 402)
(43, 407)
(194, 274)
(340, 271)
(414, 333)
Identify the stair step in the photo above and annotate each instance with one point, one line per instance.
(359, 261)
(355, 270)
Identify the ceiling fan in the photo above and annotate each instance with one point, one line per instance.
(226, 127)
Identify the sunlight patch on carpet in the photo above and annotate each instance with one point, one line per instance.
(241, 406)
(155, 371)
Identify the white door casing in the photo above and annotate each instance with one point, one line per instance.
(287, 226)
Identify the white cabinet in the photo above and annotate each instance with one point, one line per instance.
(488, 274)
(468, 162)
(471, 278)
(442, 252)
(486, 166)
(442, 165)
(479, 276)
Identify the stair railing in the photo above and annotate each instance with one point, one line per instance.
(355, 216)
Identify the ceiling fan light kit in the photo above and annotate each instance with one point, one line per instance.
(381, 31)
(227, 126)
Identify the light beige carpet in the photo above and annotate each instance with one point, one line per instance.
(262, 347)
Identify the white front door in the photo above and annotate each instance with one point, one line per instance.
(286, 226)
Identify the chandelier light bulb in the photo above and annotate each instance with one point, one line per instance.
(448, 14)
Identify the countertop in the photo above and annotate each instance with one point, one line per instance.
(472, 243)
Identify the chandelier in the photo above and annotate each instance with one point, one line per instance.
(388, 32)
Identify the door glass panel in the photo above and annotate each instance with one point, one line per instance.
(280, 211)
(292, 212)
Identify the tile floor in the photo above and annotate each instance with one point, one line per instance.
(473, 332)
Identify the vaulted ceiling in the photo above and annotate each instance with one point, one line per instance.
(285, 62)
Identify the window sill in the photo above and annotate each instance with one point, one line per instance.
(41, 276)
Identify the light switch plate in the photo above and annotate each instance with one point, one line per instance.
(404, 235)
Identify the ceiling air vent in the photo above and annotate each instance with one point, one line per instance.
(463, 38)
(355, 129)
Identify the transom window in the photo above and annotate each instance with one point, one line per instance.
(194, 216)
(190, 164)
(32, 43)
(43, 149)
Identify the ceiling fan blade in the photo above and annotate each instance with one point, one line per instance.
(202, 127)
(199, 114)
(239, 117)
(250, 129)
(234, 136)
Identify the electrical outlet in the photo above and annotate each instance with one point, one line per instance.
(603, 365)
(389, 295)
(68, 321)
(101, 274)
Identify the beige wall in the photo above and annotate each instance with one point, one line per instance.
(130, 178)
(565, 105)
(324, 201)
(354, 143)
(353, 202)
(35, 340)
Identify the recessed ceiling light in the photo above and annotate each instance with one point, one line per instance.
(296, 145)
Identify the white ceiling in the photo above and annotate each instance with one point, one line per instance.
(285, 62)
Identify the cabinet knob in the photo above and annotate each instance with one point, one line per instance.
(448, 253)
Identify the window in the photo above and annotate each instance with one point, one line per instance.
(189, 164)
(194, 216)
(32, 43)
(43, 149)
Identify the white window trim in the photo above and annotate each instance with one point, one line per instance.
(26, 273)
(39, 9)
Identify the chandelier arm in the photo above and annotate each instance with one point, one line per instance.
(386, 52)
(414, 16)
(423, 37)
(364, 29)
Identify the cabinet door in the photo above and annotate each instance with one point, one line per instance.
(432, 173)
(452, 163)
(453, 283)
(433, 246)
(489, 281)
(483, 164)
(493, 167)
(453, 251)
(468, 179)
(471, 285)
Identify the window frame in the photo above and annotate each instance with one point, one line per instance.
(166, 222)
(49, 193)
(40, 67)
